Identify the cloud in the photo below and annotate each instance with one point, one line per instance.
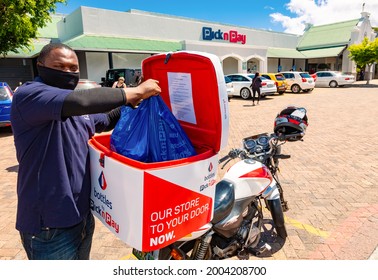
(269, 8)
(318, 12)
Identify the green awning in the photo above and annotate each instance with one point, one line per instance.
(284, 53)
(102, 43)
(328, 35)
(325, 52)
(25, 53)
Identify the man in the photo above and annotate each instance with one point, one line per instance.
(51, 124)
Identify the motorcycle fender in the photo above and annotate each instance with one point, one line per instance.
(271, 192)
(195, 234)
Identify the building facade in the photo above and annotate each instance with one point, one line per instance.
(106, 39)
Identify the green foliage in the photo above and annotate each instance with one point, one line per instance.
(365, 53)
(20, 20)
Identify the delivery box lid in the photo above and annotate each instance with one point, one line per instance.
(193, 87)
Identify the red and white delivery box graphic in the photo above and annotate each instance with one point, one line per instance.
(149, 209)
(151, 205)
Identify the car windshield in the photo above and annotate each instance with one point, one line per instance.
(4, 95)
(305, 75)
(227, 79)
(261, 77)
(280, 77)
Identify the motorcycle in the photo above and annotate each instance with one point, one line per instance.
(236, 227)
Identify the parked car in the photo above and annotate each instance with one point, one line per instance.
(314, 77)
(242, 83)
(279, 79)
(6, 95)
(131, 75)
(85, 84)
(333, 79)
(299, 81)
(229, 87)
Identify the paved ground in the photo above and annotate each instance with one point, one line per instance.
(331, 180)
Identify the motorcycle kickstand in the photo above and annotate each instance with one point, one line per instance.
(261, 250)
(243, 254)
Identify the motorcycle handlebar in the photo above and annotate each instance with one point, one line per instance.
(234, 153)
(289, 136)
(223, 159)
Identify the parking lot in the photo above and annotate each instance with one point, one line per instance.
(330, 181)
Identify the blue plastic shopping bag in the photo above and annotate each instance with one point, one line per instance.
(150, 133)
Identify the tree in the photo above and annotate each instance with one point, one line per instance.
(20, 20)
(365, 54)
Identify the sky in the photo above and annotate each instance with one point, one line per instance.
(288, 16)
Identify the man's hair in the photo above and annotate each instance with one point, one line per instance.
(48, 48)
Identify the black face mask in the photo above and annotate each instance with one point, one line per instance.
(57, 78)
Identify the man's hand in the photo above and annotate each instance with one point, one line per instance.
(143, 91)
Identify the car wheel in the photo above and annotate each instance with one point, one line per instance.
(245, 93)
(332, 84)
(296, 88)
(281, 92)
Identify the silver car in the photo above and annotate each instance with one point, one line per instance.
(242, 85)
(333, 79)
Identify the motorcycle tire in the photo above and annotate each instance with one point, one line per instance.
(276, 211)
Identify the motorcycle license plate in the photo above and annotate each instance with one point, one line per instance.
(143, 255)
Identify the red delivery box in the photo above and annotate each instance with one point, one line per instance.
(151, 205)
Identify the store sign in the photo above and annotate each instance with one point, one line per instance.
(232, 36)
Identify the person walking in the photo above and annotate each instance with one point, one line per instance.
(52, 124)
(256, 85)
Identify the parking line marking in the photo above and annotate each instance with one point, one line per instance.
(306, 227)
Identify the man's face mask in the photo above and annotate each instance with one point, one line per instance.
(58, 78)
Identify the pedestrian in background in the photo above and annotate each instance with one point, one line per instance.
(256, 85)
(120, 83)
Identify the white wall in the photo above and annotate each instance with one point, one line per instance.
(139, 24)
(230, 66)
(97, 64)
(128, 60)
(71, 25)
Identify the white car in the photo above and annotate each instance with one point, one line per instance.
(229, 87)
(299, 81)
(242, 85)
(86, 84)
(333, 79)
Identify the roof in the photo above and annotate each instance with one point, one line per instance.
(284, 53)
(329, 35)
(323, 52)
(104, 43)
(34, 50)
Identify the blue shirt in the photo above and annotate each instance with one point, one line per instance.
(53, 184)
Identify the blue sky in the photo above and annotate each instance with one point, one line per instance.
(276, 15)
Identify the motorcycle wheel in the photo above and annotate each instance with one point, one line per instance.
(275, 208)
(186, 248)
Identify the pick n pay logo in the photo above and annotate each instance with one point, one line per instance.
(102, 181)
(210, 168)
(231, 36)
